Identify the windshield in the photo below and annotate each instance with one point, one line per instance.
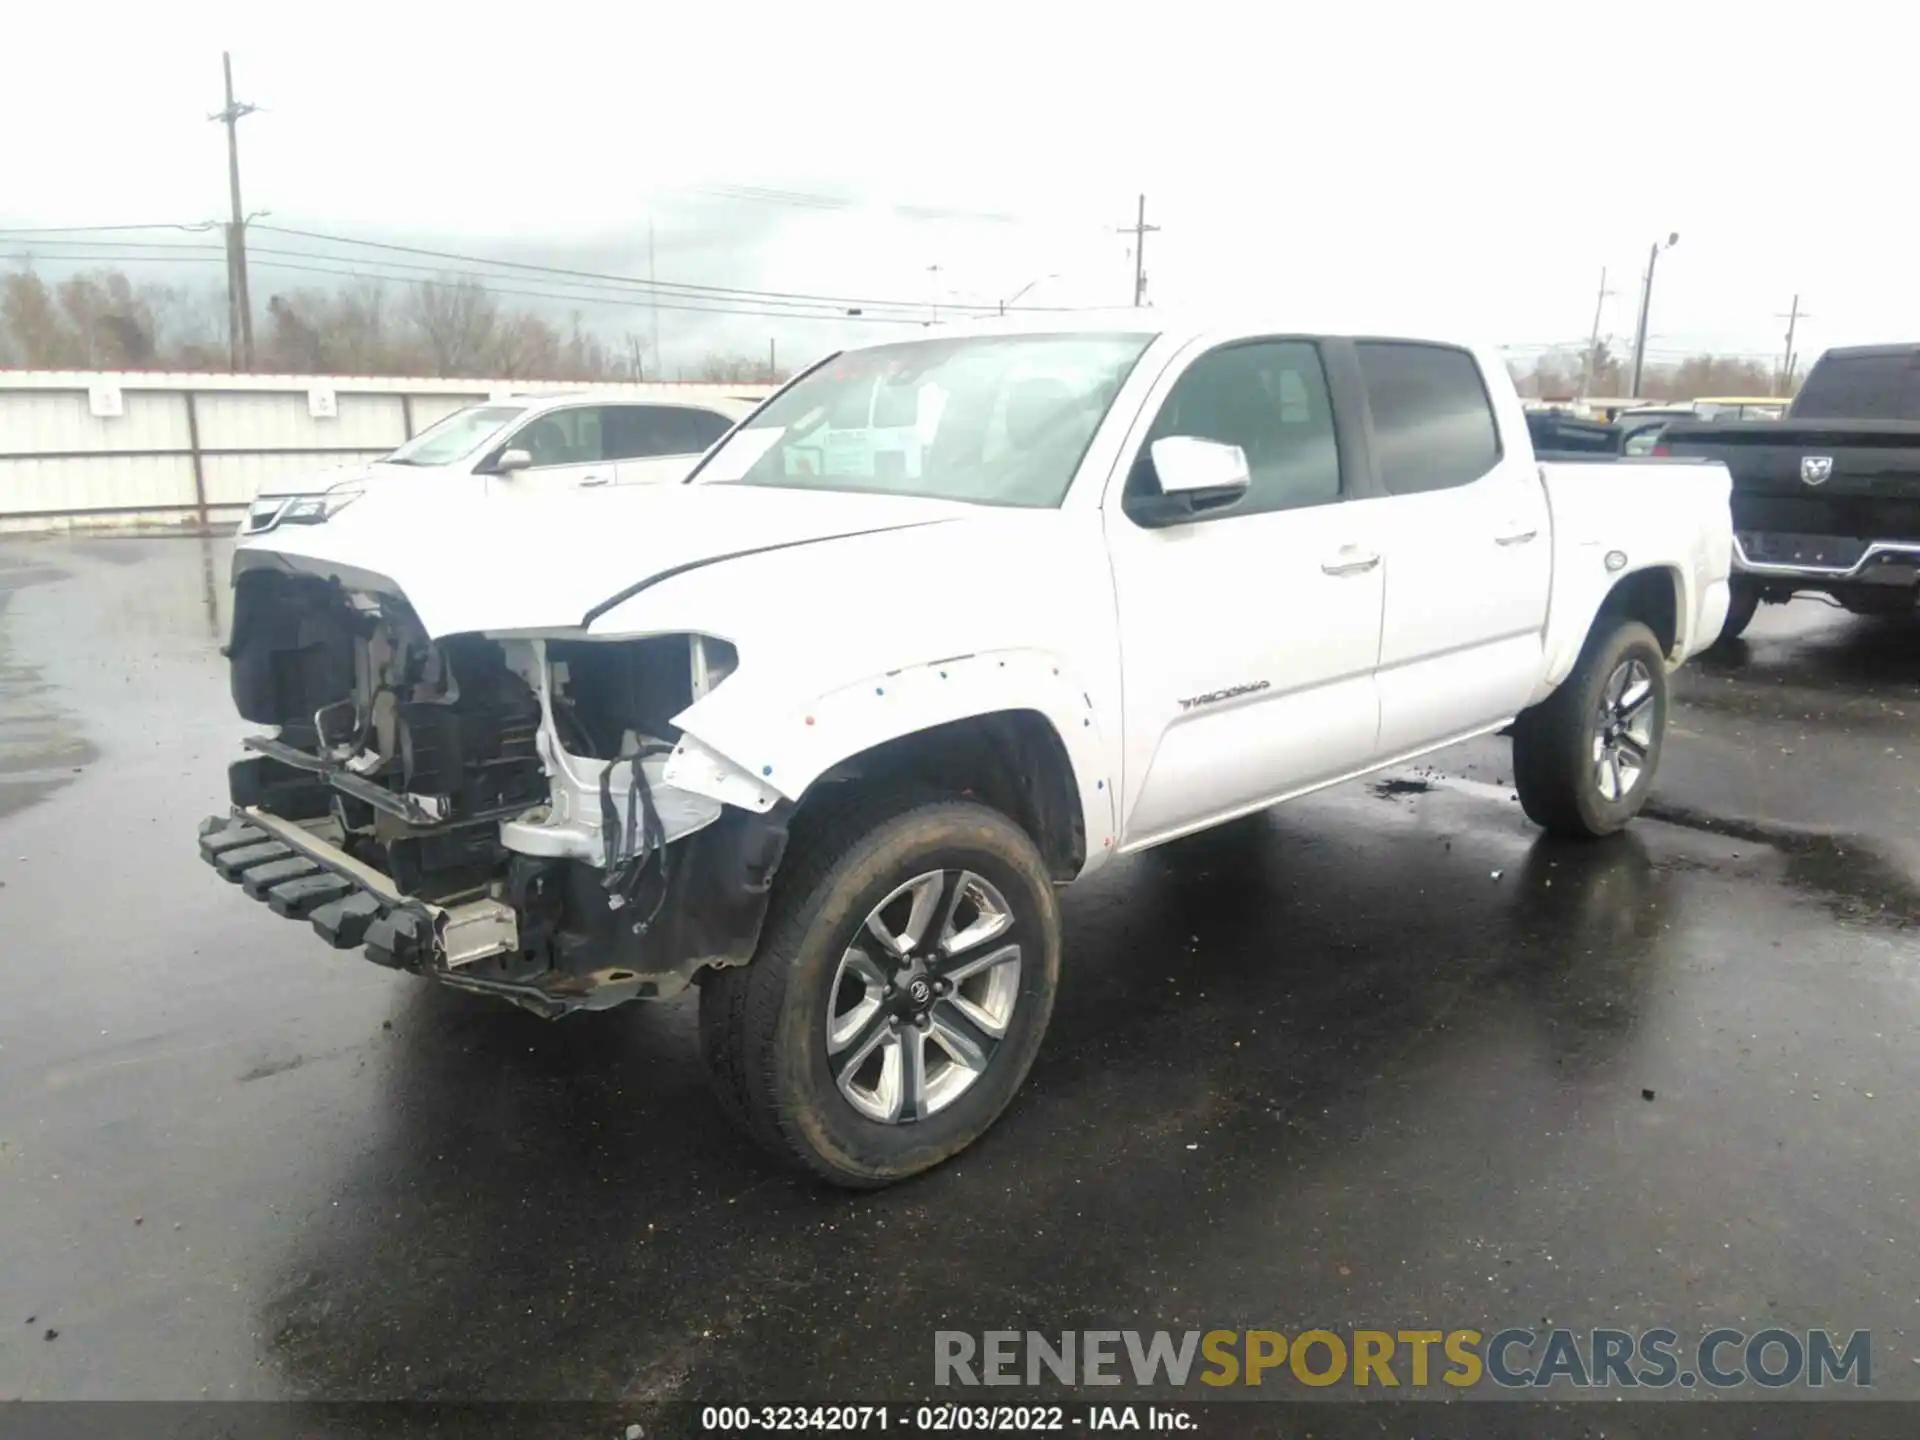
(1861, 387)
(997, 420)
(459, 434)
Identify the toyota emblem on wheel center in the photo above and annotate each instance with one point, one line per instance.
(1814, 469)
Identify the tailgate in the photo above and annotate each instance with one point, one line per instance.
(1856, 478)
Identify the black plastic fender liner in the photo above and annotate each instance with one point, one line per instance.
(708, 909)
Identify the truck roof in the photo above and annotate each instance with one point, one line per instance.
(1847, 352)
(1189, 323)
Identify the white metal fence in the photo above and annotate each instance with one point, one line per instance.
(87, 449)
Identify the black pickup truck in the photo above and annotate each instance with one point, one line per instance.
(1827, 499)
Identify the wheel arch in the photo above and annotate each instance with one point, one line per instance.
(1655, 595)
(1013, 729)
(1013, 761)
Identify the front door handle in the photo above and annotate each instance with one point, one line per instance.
(593, 479)
(1516, 536)
(1350, 560)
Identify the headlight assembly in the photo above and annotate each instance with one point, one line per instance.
(268, 512)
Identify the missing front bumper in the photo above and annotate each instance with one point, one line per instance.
(299, 873)
(552, 944)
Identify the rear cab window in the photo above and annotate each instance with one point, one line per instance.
(1433, 421)
(1861, 387)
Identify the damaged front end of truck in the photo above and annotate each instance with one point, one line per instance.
(512, 813)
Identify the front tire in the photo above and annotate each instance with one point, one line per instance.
(1584, 758)
(902, 985)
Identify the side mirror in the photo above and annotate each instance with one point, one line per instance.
(1195, 476)
(512, 460)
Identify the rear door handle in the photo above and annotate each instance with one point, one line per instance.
(1516, 536)
(1350, 560)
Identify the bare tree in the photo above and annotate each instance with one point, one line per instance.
(292, 344)
(1711, 375)
(733, 369)
(456, 319)
(37, 335)
(523, 346)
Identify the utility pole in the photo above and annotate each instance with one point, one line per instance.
(1646, 305)
(1593, 338)
(933, 293)
(239, 300)
(1140, 229)
(773, 365)
(1793, 318)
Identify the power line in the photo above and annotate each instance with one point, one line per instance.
(200, 227)
(628, 299)
(686, 288)
(597, 292)
(670, 288)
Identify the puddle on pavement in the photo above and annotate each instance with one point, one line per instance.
(42, 743)
(1393, 788)
(1853, 878)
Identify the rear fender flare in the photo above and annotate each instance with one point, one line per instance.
(1580, 608)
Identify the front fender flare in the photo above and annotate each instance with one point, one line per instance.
(745, 748)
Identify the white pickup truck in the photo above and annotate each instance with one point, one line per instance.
(824, 744)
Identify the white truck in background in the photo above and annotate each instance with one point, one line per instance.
(824, 744)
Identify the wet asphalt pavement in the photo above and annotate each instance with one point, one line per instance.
(1384, 1058)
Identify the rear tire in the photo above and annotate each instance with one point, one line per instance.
(1740, 613)
(887, 1019)
(1584, 758)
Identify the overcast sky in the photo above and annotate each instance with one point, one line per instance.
(1467, 166)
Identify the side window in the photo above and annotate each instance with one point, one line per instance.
(562, 437)
(638, 432)
(1270, 398)
(1433, 425)
(705, 427)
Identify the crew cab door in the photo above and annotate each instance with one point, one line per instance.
(1463, 532)
(568, 447)
(1248, 633)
